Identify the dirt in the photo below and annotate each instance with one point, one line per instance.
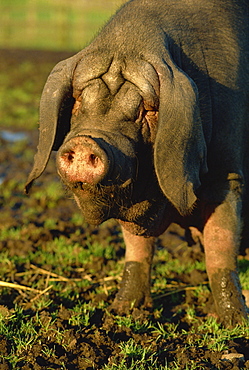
(97, 343)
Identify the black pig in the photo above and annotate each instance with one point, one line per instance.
(150, 123)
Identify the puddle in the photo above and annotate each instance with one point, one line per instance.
(13, 137)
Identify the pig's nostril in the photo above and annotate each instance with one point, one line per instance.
(94, 159)
(70, 156)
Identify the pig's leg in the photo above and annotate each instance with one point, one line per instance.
(221, 243)
(135, 285)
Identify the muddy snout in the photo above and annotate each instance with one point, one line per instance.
(82, 161)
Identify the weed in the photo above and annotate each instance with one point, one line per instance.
(134, 357)
(49, 195)
(165, 331)
(42, 303)
(81, 314)
(136, 326)
(49, 352)
(214, 336)
(191, 314)
(96, 249)
(10, 233)
(50, 223)
(18, 329)
(78, 220)
(11, 186)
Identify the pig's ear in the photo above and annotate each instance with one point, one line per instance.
(180, 148)
(55, 113)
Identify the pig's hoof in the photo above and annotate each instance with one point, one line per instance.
(234, 317)
(134, 290)
(229, 301)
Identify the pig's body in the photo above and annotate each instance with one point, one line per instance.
(151, 126)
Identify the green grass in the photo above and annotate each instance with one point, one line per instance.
(24, 330)
(19, 329)
(20, 95)
(55, 25)
(135, 357)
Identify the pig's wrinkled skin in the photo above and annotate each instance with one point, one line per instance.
(151, 123)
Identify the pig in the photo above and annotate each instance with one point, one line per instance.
(150, 125)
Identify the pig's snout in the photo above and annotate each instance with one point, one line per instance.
(81, 160)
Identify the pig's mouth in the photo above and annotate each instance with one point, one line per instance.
(99, 203)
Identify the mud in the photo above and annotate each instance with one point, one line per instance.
(95, 342)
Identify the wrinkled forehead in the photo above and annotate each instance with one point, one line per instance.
(116, 83)
(96, 100)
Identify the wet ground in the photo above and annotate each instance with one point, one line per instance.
(70, 325)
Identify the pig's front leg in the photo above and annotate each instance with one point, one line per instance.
(221, 243)
(135, 285)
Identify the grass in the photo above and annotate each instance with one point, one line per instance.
(60, 259)
(19, 102)
(55, 25)
(23, 331)
(16, 327)
(135, 356)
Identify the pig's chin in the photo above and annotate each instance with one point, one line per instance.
(92, 215)
(100, 203)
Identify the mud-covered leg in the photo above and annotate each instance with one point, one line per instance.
(135, 285)
(221, 242)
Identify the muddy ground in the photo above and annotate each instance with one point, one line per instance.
(97, 344)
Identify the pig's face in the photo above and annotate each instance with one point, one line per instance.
(128, 135)
(106, 159)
